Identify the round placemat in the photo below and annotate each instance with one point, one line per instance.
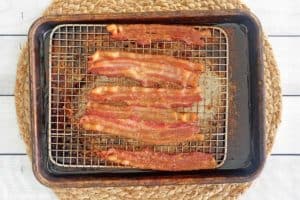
(221, 191)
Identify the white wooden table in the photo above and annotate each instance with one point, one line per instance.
(281, 176)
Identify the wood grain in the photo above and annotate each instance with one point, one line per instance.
(288, 137)
(279, 180)
(17, 180)
(277, 17)
(286, 53)
(9, 53)
(11, 141)
(17, 16)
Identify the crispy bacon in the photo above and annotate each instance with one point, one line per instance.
(147, 69)
(161, 59)
(149, 132)
(146, 34)
(141, 113)
(148, 159)
(146, 97)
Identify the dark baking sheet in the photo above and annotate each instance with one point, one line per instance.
(245, 135)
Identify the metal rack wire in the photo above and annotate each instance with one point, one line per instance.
(70, 47)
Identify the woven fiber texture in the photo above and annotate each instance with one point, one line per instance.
(224, 191)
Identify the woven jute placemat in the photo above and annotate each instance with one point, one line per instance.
(222, 191)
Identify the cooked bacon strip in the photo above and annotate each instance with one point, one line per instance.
(146, 97)
(148, 69)
(147, 159)
(141, 113)
(167, 61)
(146, 34)
(145, 131)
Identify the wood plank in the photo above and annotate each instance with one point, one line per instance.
(285, 49)
(286, 54)
(280, 182)
(18, 182)
(286, 141)
(10, 49)
(19, 15)
(288, 137)
(11, 141)
(277, 18)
